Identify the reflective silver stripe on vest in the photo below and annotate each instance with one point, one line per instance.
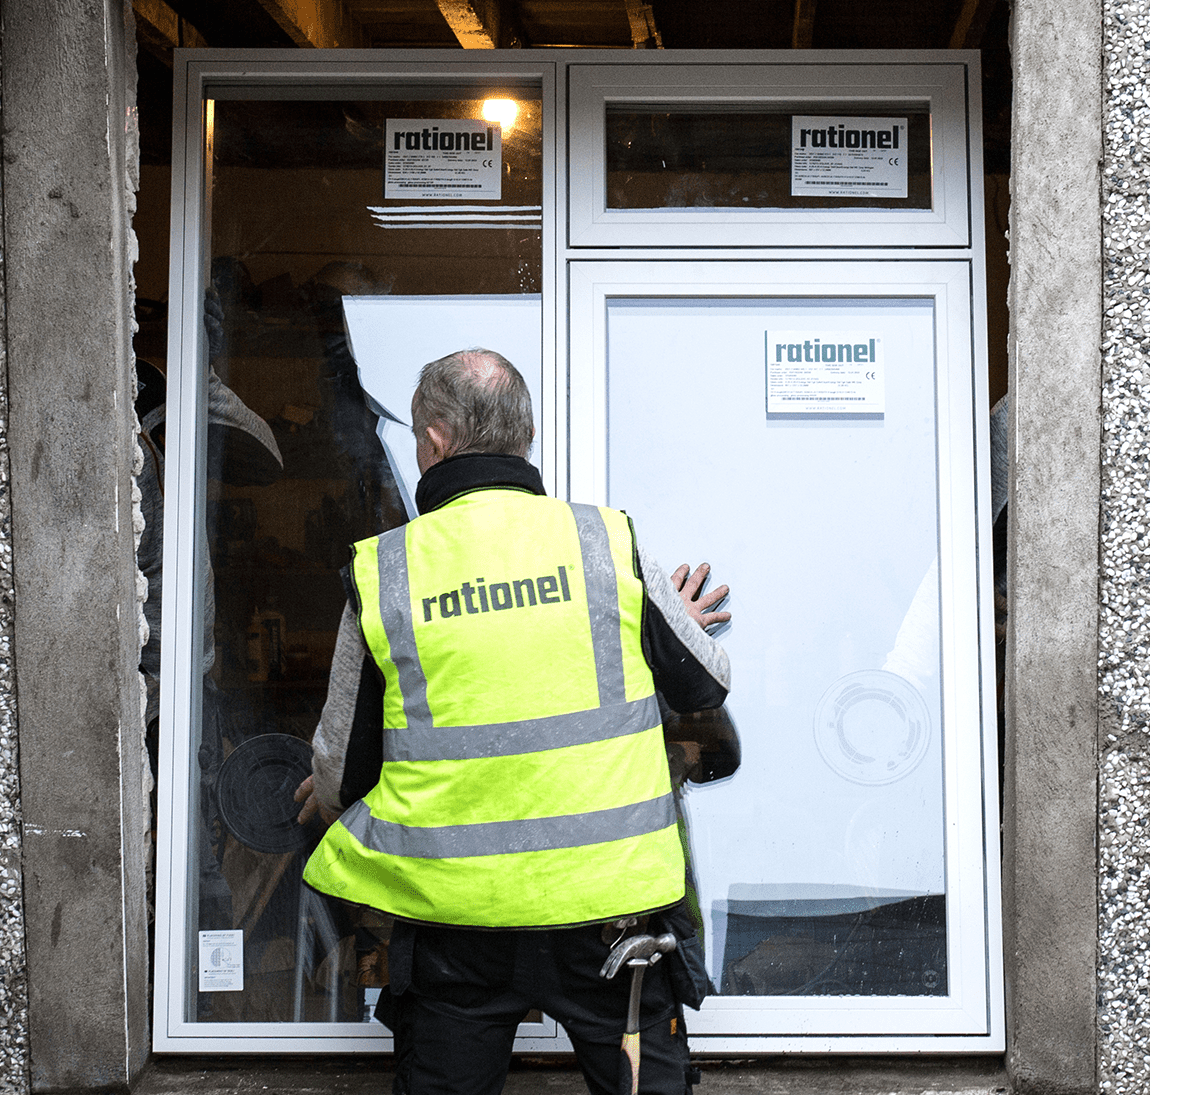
(508, 739)
(508, 837)
(396, 611)
(600, 576)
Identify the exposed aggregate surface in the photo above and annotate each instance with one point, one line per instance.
(14, 1004)
(1124, 639)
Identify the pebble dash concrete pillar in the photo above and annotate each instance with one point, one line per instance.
(70, 171)
(1049, 862)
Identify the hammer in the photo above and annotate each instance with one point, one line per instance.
(637, 952)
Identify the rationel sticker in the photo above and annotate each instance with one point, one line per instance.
(441, 158)
(849, 157)
(824, 372)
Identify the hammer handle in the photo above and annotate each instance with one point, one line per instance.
(631, 1062)
(634, 1016)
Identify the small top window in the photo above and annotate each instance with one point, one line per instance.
(767, 155)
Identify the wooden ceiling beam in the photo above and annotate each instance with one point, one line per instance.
(804, 17)
(484, 24)
(320, 24)
(972, 21)
(161, 29)
(642, 27)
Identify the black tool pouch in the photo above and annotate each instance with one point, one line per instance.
(685, 965)
(400, 964)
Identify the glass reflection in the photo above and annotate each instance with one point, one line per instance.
(298, 468)
(692, 158)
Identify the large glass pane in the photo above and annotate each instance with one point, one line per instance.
(826, 157)
(799, 455)
(307, 451)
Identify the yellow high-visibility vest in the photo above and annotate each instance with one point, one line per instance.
(524, 779)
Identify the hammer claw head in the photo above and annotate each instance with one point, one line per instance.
(647, 948)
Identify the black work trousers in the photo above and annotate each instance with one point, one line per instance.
(468, 991)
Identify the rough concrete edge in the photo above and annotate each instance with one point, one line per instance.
(138, 859)
(14, 997)
(1052, 703)
(1123, 880)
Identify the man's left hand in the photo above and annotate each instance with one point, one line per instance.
(689, 584)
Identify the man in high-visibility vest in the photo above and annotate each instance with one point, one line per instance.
(492, 742)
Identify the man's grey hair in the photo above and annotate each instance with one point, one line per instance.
(480, 400)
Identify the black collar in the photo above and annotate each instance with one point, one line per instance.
(458, 475)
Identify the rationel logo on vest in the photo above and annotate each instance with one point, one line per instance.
(482, 596)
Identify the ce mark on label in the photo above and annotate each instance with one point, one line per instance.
(893, 161)
(487, 163)
(869, 376)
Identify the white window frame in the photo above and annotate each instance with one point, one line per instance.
(838, 246)
(201, 76)
(970, 1017)
(940, 88)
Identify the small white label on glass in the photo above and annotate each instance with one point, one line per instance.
(221, 961)
(849, 157)
(441, 158)
(824, 372)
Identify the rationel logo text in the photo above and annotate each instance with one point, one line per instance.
(829, 352)
(841, 137)
(436, 139)
(481, 595)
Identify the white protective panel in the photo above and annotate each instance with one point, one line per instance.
(393, 337)
(827, 537)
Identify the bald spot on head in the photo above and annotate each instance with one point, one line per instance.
(483, 367)
(479, 402)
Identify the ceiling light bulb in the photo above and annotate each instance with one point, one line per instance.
(503, 111)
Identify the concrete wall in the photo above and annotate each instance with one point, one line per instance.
(14, 1011)
(1049, 844)
(70, 156)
